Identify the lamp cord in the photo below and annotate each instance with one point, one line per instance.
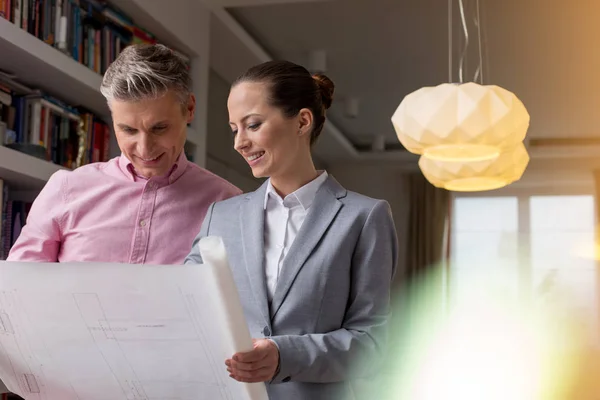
(479, 71)
(477, 21)
(450, 41)
(466, 32)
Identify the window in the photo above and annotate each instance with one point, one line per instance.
(484, 243)
(562, 235)
(534, 247)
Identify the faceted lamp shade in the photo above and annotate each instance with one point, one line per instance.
(466, 122)
(471, 176)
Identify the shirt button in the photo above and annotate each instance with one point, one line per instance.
(143, 222)
(151, 185)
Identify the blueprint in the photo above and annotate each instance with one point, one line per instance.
(87, 331)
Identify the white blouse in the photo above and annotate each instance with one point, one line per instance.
(283, 219)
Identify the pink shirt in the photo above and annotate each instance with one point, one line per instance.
(106, 212)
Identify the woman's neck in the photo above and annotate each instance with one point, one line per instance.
(297, 177)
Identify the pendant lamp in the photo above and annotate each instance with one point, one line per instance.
(473, 176)
(460, 122)
(469, 135)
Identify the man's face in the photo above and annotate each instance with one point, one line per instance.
(151, 133)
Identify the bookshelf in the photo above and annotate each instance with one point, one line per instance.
(42, 66)
(24, 172)
(45, 67)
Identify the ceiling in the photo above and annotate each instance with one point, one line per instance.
(380, 50)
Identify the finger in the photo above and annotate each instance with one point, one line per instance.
(251, 366)
(250, 356)
(251, 374)
(262, 377)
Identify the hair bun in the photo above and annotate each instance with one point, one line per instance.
(326, 87)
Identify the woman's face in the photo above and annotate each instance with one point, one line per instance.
(269, 141)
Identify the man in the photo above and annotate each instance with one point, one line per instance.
(145, 206)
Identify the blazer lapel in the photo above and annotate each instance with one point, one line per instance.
(252, 223)
(321, 214)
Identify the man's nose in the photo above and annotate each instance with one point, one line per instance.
(145, 144)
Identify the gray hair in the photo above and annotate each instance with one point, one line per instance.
(143, 71)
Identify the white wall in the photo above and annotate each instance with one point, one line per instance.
(221, 158)
(380, 182)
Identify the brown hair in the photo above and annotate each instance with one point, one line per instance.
(293, 88)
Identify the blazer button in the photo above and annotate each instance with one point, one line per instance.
(286, 379)
(266, 331)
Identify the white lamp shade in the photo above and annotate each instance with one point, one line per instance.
(460, 121)
(472, 176)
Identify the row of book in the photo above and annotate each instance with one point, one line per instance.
(93, 32)
(45, 127)
(14, 215)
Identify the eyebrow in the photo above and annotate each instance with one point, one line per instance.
(125, 126)
(246, 117)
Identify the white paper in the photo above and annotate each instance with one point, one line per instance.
(102, 331)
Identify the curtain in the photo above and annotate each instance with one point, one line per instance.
(429, 209)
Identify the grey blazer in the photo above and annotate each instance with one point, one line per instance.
(330, 309)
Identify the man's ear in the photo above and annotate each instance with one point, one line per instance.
(191, 108)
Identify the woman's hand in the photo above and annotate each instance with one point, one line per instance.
(257, 365)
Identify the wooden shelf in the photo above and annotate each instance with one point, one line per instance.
(24, 172)
(39, 65)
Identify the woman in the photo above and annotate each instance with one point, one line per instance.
(312, 262)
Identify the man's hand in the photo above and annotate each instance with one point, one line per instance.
(257, 365)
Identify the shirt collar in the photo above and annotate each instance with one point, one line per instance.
(126, 166)
(304, 196)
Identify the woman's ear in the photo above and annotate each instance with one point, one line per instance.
(305, 122)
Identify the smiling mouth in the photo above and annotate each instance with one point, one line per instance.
(255, 156)
(150, 160)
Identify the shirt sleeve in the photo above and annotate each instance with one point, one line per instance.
(41, 236)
